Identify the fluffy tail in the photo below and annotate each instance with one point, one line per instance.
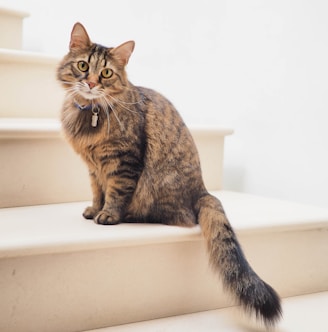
(226, 257)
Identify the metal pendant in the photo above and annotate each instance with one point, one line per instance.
(94, 119)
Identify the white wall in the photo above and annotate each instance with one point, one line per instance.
(258, 66)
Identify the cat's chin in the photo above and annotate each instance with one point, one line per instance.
(89, 95)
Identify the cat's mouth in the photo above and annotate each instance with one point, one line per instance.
(86, 91)
(89, 94)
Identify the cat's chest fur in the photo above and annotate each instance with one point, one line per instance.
(105, 146)
(85, 137)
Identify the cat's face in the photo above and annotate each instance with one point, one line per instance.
(92, 71)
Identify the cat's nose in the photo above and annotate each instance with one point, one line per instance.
(91, 84)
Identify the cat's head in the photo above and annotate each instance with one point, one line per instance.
(93, 71)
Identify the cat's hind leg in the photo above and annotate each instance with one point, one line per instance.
(183, 217)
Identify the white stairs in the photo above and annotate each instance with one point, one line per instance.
(59, 272)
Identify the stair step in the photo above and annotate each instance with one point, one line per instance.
(297, 318)
(36, 93)
(11, 26)
(29, 128)
(62, 176)
(59, 272)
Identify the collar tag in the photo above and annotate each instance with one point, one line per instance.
(94, 119)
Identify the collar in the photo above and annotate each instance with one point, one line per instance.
(87, 108)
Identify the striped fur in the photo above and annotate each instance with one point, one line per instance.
(143, 163)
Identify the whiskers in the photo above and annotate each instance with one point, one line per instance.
(107, 101)
(124, 104)
(73, 90)
(106, 105)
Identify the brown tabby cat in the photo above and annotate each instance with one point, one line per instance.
(143, 163)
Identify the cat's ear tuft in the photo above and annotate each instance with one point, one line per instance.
(79, 38)
(123, 52)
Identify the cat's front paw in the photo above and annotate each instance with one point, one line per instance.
(106, 218)
(90, 212)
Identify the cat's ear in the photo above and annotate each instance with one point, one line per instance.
(123, 52)
(79, 38)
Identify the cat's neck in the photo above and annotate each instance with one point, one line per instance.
(83, 103)
(87, 106)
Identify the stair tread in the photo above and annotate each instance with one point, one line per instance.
(45, 127)
(8, 55)
(297, 318)
(10, 11)
(29, 128)
(61, 228)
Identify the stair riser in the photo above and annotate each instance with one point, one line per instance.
(30, 90)
(43, 171)
(11, 27)
(90, 289)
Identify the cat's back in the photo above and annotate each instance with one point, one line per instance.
(169, 141)
(160, 113)
(156, 103)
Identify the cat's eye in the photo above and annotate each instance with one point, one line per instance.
(83, 66)
(106, 73)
